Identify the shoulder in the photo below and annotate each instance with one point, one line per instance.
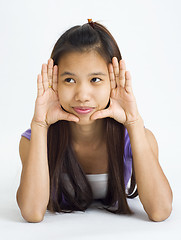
(27, 133)
(152, 141)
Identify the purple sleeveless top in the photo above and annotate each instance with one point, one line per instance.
(127, 155)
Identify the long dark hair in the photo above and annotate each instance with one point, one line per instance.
(91, 36)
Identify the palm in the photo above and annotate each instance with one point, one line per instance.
(123, 106)
(47, 106)
(123, 102)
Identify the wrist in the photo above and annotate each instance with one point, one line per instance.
(38, 132)
(42, 124)
(131, 122)
(137, 120)
(134, 123)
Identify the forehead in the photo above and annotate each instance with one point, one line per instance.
(85, 61)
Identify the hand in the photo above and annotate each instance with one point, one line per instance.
(48, 109)
(123, 107)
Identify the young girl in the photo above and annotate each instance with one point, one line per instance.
(87, 138)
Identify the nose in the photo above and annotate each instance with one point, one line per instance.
(83, 93)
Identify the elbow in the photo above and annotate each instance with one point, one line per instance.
(32, 217)
(159, 216)
(162, 210)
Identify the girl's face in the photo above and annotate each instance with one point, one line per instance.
(83, 81)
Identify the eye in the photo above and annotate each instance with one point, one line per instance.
(68, 80)
(94, 79)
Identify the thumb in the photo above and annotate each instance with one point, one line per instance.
(68, 117)
(101, 114)
(72, 117)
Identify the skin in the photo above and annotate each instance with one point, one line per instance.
(84, 88)
(122, 108)
(55, 103)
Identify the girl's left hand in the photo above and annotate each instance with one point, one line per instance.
(123, 107)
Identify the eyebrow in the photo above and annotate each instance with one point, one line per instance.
(90, 74)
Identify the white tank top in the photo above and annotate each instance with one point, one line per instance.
(98, 183)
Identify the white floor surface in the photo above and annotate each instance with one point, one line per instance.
(92, 224)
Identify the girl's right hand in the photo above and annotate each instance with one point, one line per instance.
(48, 109)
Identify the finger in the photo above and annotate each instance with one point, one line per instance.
(55, 77)
(128, 82)
(50, 71)
(122, 70)
(116, 70)
(40, 88)
(111, 76)
(101, 114)
(44, 76)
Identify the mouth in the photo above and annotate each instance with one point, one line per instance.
(83, 110)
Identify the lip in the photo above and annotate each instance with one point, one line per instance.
(83, 110)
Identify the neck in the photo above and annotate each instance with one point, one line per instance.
(89, 134)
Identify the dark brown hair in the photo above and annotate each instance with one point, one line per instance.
(61, 156)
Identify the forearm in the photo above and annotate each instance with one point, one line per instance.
(33, 193)
(153, 188)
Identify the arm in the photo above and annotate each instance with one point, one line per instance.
(153, 188)
(33, 192)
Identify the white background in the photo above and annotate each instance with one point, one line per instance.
(149, 36)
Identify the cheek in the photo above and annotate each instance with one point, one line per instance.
(104, 97)
(64, 96)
